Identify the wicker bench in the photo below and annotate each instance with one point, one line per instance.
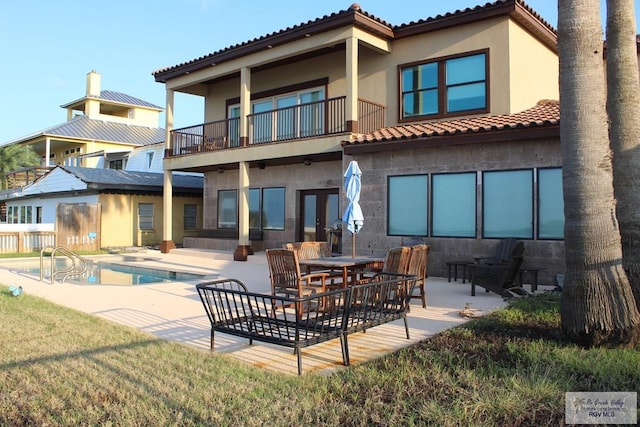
(307, 320)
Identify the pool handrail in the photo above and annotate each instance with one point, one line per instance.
(70, 271)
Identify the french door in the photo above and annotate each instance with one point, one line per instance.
(319, 210)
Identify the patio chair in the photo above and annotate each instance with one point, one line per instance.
(498, 278)
(418, 267)
(314, 250)
(502, 254)
(396, 261)
(286, 278)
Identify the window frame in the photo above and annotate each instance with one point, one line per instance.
(389, 212)
(144, 226)
(442, 87)
(538, 203)
(228, 225)
(192, 222)
(263, 215)
(432, 204)
(532, 201)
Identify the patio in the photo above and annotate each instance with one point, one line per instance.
(173, 311)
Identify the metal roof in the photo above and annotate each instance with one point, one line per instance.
(116, 97)
(83, 127)
(123, 180)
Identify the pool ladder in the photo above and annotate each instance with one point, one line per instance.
(78, 264)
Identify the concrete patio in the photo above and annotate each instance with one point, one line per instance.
(173, 311)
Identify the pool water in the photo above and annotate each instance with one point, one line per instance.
(103, 273)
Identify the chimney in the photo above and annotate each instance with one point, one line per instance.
(93, 84)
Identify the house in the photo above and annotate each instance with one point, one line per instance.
(102, 128)
(451, 119)
(105, 166)
(127, 211)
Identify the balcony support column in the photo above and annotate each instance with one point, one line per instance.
(167, 189)
(352, 85)
(243, 248)
(47, 152)
(245, 105)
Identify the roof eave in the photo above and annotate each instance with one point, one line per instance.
(350, 17)
(515, 9)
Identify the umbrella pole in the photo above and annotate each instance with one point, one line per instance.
(353, 245)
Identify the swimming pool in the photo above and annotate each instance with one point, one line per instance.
(102, 273)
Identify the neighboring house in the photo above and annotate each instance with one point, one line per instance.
(442, 114)
(130, 203)
(119, 145)
(102, 128)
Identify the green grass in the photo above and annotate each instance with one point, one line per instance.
(511, 368)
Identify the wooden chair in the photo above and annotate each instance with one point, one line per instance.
(498, 278)
(396, 261)
(314, 250)
(286, 278)
(418, 267)
(503, 253)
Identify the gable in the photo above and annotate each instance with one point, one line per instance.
(56, 180)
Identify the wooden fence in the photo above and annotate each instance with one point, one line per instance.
(25, 241)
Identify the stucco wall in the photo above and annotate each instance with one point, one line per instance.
(120, 220)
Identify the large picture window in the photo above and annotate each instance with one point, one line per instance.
(266, 208)
(407, 202)
(227, 209)
(453, 201)
(550, 204)
(273, 208)
(508, 204)
(446, 86)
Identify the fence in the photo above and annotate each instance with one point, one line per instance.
(26, 241)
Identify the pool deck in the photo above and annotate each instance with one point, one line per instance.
(173, 311)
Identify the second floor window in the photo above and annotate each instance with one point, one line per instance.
(444, 87)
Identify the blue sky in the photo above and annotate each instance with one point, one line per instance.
(48, 47)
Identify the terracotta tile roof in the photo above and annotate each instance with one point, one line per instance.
(545, 114)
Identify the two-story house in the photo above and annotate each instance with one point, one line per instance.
(442, 114)
(105, 167)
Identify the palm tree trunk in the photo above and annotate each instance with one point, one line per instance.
(597, 302)
(623, 106)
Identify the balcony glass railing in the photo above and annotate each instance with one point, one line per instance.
(313, 119)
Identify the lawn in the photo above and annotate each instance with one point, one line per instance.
(511, 368)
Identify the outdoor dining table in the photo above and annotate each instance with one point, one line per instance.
(349, 265)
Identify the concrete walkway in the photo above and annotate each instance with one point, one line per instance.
(173, 311)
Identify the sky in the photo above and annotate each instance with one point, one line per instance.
(49, 46)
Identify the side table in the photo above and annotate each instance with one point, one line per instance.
(454, 265)
(533, 274)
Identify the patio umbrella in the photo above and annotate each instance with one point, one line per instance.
(353, 214)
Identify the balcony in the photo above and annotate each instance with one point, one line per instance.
(310, 120)
(22, 177)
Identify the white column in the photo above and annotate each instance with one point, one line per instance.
(47, 151)
(245, 104)
(243, 203)
(352, 83)
(167, 192)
